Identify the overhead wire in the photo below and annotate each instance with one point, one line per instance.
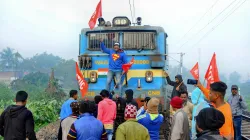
(214, 27)
(208, 23)
(134, 8)
(198, 20)
(131, 12)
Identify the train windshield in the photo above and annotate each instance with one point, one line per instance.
(130, 40)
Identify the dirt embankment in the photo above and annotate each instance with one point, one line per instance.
(48, 132)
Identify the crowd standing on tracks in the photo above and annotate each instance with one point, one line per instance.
(214, 119)
(95, 120)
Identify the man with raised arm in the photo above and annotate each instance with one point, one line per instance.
(117, 58)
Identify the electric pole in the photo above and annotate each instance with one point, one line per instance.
(181, 62)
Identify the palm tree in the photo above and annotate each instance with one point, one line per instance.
(7, 58)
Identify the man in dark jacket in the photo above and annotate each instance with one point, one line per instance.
(16, 122)
(178, 85)
(129, 98)
(208, 123)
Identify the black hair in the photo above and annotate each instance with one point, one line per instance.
(21, 96)
(87, 107)
(104, 93)
(98, 99)
(146, 100)
(219, 87)
(184, 92)
(72, 93)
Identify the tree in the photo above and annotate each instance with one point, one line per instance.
(10, 60)
(41, 62)
(65, 71)
(7, 58)
(234, 78)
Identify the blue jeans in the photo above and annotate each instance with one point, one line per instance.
(109, 133)
(237, 127)
(118, 77)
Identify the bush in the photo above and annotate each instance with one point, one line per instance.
(5, 92)
(44, 111)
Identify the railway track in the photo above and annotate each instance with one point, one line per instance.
(245, 127)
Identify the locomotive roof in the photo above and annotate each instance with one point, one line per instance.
(125, 28)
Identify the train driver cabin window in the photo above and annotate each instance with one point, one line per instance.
(139, 40)
(131, 40)
(108, 38)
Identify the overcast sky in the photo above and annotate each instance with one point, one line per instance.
(35, 26)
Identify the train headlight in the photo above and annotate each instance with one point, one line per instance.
(121, 21)
(93, 77)
(149, 76)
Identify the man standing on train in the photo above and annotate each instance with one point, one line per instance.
(237, 105)
(117, 58)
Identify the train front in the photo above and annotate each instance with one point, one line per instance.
(147, 44)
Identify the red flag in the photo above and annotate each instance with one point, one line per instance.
(212, 74)
(195, 71)
(81, 81)
(126, 67)
(96, 15)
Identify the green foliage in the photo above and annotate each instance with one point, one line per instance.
(65, 72)
(41, 62)
(45, 111)
(5, 92)
(9, 59)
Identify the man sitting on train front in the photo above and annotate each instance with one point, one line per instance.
(117, 58)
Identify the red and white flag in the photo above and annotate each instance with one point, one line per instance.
(83, 84)
(212, 74)
(96, 15)
(195, 71)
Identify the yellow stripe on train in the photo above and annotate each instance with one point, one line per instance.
(131, 73)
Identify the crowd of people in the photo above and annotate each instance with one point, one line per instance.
(95, 120)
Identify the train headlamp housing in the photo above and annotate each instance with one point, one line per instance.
(149, 76)
(93, 77)
(121, 21)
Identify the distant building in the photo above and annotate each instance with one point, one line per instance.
(8, 76)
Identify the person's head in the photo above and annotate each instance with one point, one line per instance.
(209, 119)
(176, 103)
(98, 99)
(87, 107)
(73, 94)
(234, 89)
(75, 106)
(116, 46)
(146, 100)
(130, 112)
(178, 78)
(217, 91)
(104, 93)
(152, 105)
(184, 96)
(21, 97)
(129, 95)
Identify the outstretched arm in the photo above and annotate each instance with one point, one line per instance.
(103, 47)
(204, 90)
